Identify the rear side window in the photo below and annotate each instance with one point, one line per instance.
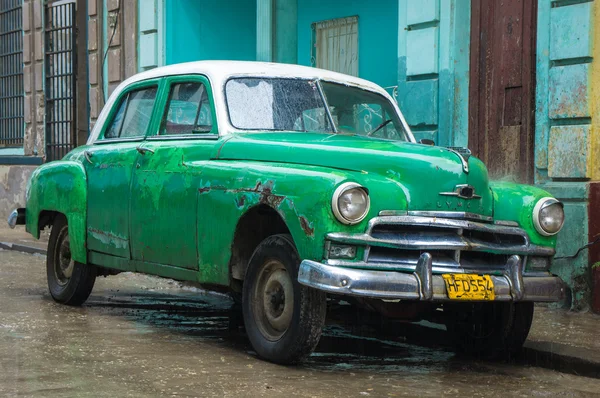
(133, 115)
(188, 110)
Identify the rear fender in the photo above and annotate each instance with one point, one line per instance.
(61, 187)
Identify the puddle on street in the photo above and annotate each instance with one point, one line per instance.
(141, 336)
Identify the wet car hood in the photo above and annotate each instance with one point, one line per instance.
(424, 171)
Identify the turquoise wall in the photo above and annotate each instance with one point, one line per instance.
(377, 34)
(433, 68)
(210, 29)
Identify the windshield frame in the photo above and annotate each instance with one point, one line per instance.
(406, 129)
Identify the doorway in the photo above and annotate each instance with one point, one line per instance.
(502, 87)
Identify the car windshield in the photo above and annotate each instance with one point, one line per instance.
(282, 104)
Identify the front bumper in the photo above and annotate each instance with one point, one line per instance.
(16, 217)
(423, 285)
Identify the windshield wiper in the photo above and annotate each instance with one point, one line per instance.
(382, 125)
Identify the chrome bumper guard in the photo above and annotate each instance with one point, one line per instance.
(17, 217)
(423, 285)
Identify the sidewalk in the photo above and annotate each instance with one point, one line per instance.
(18, 239)
(559, 339)
(565, 341)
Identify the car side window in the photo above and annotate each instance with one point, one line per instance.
(188, 110)
(133, 116)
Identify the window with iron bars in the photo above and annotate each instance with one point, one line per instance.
(11, 74)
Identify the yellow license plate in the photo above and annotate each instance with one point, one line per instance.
(469, 287)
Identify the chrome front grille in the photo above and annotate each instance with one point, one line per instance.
(396, 242)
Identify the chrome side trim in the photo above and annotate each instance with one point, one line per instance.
(174, 137)
(107, 141)
(410, 286)
(462, 215)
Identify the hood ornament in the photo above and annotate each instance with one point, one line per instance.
(463, 191)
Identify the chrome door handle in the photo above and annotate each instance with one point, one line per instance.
(143, 150)
(88, 156)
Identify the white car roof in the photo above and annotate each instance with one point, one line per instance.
(218, 72)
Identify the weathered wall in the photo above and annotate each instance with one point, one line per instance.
(433, 68)
(33, 83)
(110, 61)
(13, 180)
(567, 139)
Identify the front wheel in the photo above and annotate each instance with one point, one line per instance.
(69, 282)
(283, 318)
(489, 330)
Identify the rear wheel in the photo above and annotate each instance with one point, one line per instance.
(489, 330)
(283, 318)
(69, 282)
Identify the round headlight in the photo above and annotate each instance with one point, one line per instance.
(350, 203)
(548, 216)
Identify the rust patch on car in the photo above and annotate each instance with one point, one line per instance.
(264, 190)
(239, 201)
(305, 225)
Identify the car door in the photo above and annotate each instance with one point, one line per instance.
(164, 190)
(109, 164)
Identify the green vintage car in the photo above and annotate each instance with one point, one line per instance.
(292, 187)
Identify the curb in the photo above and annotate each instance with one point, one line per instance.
(561, 358)
(22, 248)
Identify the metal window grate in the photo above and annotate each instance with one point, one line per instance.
(335, 45)
(60, 64)
(11, 73)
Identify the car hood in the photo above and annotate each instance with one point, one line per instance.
(422, 171)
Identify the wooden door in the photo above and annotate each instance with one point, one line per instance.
(502, 82)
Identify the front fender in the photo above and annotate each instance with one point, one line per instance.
(301, 195)
(515, 202)
(60, 186)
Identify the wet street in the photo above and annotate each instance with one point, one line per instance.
(144, 337)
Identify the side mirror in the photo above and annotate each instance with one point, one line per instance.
(426, 141)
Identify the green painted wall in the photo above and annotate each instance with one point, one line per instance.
(377, 34)
(210, 29)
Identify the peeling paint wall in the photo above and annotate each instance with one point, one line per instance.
(13, 177)
(33, 83)
(98, 19)
(567, 138)
(433, 68)
(110, 62)
(13, 180)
